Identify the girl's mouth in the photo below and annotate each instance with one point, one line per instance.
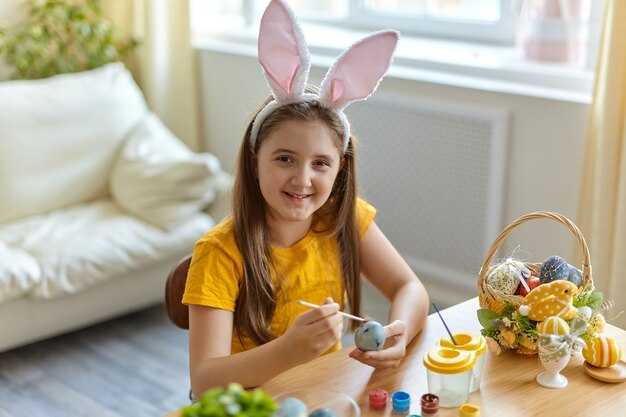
(298, 196)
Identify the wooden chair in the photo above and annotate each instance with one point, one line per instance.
(174, 290)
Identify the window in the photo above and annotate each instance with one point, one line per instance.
(496, 45)
(481, 20)
(484, 20)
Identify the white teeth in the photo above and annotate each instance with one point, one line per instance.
(298, 196)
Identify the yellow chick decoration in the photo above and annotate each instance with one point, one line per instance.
(548, 300)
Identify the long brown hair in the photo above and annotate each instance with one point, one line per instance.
(256, 304)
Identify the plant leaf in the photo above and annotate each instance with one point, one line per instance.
(62, 36)
(486, 316)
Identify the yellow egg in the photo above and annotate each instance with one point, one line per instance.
(602, 352)
(553, 325)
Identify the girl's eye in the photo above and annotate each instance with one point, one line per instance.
(322, 163)
(284, 158)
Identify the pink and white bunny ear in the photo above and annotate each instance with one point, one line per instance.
(358, 71)
(283, 52)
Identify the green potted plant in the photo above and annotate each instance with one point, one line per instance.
(62, 36)
(232, 402)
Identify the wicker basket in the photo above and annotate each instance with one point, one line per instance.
(494, 299)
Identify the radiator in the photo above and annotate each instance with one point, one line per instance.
(435, 171)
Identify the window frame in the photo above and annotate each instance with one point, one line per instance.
(501, 31)
(361, 18)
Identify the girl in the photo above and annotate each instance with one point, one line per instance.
(298, 230)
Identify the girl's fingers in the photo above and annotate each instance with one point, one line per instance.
(320, 313)
(395, 328)
(325, 324)
(324, 336)
(389, 357)
(356, 353)
(376, 363)
(392, 353)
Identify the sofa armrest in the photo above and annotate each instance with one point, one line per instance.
(221, 205)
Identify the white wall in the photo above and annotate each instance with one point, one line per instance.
(545, 148)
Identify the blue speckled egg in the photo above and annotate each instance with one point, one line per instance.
(370, 336)
(291, 407)
(575, 275)
(552, 269)
(323, 412)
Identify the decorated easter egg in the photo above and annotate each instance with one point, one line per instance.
(602, 351)
(532, 282)
(553, 268)
(575, 275)
(506, 277)
(323, 412)
(584, 312)
(370, 336)
(291, 407)
(553, 325)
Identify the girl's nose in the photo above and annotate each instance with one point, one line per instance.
(302, 177)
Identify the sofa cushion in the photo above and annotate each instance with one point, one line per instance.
(19, 272)
(81, 245)
(59, 137)
(157, 178)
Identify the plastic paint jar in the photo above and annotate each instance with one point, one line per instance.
(430, 405)
(401, 402)
(449, 373)
(473, 342)
(378, 399)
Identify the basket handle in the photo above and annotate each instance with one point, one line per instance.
(586, 269)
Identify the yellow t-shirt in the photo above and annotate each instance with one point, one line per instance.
(311, 269)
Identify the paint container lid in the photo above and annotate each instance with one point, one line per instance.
(471, 341)
(378, 398)
(449, 361)
(401, 401)
(469, 410)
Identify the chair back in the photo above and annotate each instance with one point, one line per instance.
(174, 290)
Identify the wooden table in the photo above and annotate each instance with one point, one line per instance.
(508, 386)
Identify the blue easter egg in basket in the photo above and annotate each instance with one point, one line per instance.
(553, 268)
(575, 275)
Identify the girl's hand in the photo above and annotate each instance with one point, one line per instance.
(392, 352)
(313, 332)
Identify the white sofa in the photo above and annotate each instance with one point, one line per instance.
(98, 200)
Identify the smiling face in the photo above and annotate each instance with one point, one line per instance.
(296, 165)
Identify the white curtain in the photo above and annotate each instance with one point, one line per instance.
(164, 64)
(12, 12)
(602, 208)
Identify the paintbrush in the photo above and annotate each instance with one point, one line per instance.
(444, 323)
(350, 316)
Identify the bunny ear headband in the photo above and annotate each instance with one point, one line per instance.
(285, 59)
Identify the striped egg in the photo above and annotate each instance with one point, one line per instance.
(553, 325)
(602, 352)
